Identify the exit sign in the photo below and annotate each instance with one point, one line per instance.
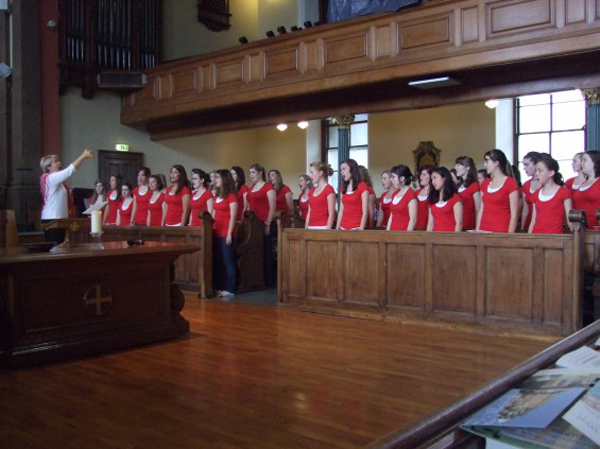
(122, 147)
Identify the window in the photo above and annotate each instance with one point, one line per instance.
(359, 145)
(551, 123)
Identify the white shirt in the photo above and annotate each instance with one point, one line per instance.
(56, 201)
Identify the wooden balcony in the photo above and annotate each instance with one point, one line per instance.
(492, 47)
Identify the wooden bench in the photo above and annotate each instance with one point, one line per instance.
(494, 282)
(250, 254)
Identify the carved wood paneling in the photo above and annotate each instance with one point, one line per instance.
(406, 276)
(438, 37)
(503, 282)
(361, 273)
(575, 11)
(430, 32)
(454, 269)
(518, 15)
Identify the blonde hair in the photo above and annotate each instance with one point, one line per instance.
(46, 161)
(323, 167)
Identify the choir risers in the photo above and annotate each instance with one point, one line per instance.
(495, 282)
(365, 64)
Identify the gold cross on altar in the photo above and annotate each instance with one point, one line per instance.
(93, 297)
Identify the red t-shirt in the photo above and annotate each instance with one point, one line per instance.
(223, 214)
(198, 205)
(549, 213)
(443, 214)
(125, 213)
(469, 212)
(496, 206)
(113, 207)
(141, 205)
(398, 209)
(422, 211)
(588, 200)
(175, 205)
(569, 185)
(280, 200)
(155, 210)
(528, 198)
(353, 207)
(258, 201)
(240, 195)
(303, 204)
(384, 206)
(319, 209)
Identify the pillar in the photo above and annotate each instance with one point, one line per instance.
(592, 98)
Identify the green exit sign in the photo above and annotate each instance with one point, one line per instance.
(122, 147)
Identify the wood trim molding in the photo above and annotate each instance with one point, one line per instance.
(310, 66)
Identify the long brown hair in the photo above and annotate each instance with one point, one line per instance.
(227, 183)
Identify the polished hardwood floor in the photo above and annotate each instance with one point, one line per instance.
(254, 377)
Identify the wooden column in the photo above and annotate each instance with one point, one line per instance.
(4, 108)
(592, 98)
(343, 123)
(23, 111)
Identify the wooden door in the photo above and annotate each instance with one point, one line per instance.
(126, 164)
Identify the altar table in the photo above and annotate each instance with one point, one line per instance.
(87, 299)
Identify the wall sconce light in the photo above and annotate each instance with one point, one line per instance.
(295, 28)
(303, 124)
(492, 104)
(308, 24)
(270, 33)
(281, 30)
(243, 40)
(282, 127)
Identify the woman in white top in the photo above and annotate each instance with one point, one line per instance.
(56, 197)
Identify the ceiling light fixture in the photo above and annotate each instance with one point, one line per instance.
(282, 127)
(303, 124)
(492, 104)
(432, 83)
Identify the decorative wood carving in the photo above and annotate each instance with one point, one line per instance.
(365, 64)
(592, 96)
(214, 14)
(426, 154)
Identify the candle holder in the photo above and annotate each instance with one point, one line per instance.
(97, 240)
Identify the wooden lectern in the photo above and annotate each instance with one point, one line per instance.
(77, 230)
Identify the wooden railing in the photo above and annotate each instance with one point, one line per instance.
(496, 282)
(364, 64)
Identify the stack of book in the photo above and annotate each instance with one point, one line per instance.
(554, 408)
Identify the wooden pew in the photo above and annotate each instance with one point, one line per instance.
(493, 282)
(8, 229)
(193, 272)
(250, 254)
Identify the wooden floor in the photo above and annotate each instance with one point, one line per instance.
(253, 377)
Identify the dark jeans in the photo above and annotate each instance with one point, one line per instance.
(223, 265)
(54, 235)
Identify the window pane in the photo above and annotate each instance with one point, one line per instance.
(568, 95)
(360, 117)
(360, 155)
(568, 115)
(565, 168)
(334, 180)
(565, 145)
(534, 119)
(333, 136)
(529, 100)
(533, 142)
(332, 159)
(359, 134)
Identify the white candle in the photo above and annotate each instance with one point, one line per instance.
(96, 221)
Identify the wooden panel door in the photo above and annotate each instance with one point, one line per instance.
(126, 164)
